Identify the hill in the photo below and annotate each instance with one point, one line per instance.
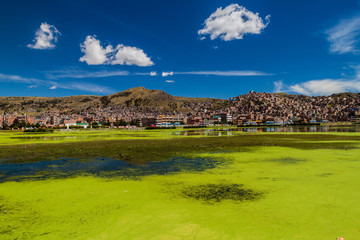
(135, 101)
(139, 98)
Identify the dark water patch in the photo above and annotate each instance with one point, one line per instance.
(288, 160)
(6, 230)
(324, 175)
(272, 179)
(102, 167)
(45, 233)
(264, 178)
(41, 136)
(211, 193)
(2, 208)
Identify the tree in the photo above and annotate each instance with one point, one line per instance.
(121, 122)
(134, 122)
(105, 123)
(18, 124)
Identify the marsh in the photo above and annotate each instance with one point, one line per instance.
(163, 185)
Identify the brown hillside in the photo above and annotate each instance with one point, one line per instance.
(139, 97)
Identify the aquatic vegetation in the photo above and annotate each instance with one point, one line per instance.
(159, 149)
(259, 186)
(8, 138)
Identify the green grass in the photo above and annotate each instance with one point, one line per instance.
(271, 186)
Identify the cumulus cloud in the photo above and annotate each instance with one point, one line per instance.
(45, 37)
(165, 74)
(344, 37)
(233, 22)
(126, 55)
(169, 81)
(53, 87)
(153, 74)
(96, 54)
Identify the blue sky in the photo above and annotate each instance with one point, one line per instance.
(202, 48)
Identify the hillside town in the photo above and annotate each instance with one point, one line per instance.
(249, 109)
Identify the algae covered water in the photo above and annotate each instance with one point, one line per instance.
(168, 186)
(101, 167)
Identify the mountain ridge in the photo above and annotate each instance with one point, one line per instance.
(138, 99)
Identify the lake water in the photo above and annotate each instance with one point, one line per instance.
(64, 165)
(230, 131)
(102, 166)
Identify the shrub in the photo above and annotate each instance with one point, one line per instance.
(39, 130)
(195, 126)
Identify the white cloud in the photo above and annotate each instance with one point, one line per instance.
(45, 37)
(78, 73)
(169, 81)
(325, 87)
(233, 22)
(153, 73)
(126, 55)
(88, 87)
(95, 54)
(165, 74)
(225, 73)
(344, 37)
(15, 78)
(278, 86)
(80, 86)
(32, 86)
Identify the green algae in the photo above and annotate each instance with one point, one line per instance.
(20, 138)
(160, 149)
(303, 186)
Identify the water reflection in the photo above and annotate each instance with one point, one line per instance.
(229, 131)
(353, 128)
